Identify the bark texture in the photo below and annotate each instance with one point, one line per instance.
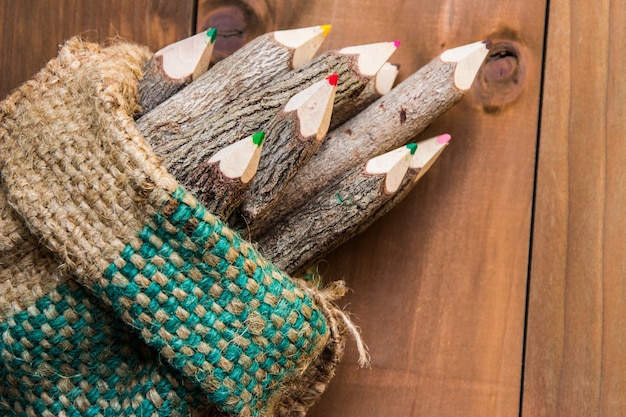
(334, 216)
(284, 152)
(217, 192)
(184, 139)
(326, 221)
(247, 70)
(155, 86)
(360, 102)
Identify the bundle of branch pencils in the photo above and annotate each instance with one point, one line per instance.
(298, 153)
(301, 153)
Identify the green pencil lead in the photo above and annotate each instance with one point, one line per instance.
(258, 138)
(212, 34)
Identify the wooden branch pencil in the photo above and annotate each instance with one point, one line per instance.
(424, 157)
(401, 114)
(227, 175)
(173, 67)
(294, 134)
(345, 209)
(248, 69)
(257, 63)
(385, 79)
(369, 60)
(184, 140)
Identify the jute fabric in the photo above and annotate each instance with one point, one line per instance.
(104, 212)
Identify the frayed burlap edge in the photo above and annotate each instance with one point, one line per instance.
(305, 391)
(302, 392)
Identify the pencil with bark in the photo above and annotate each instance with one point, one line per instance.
(294, 135)
(348, 207)
(185, 140)
(378, 86)
(173, 67)
(397, 117)
(245, 71)
(228, 174)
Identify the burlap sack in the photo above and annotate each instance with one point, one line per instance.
(103, 211)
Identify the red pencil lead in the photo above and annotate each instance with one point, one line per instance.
(332, 79)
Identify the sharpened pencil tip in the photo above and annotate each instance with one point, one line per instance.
(396, 44)
(488, 43)
(212, 34)
(332, 79)
(258, 138)
(371, 56)
(326, 29)
(468, 58)
(412, 147)
(443, 139)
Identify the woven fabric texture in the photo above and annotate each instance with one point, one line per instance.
(89, 363)
(87, 185)
(214, 307)
(62, 351)
(65, 356)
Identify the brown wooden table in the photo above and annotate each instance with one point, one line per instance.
(496, 288)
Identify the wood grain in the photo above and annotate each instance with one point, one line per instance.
(31, 30)
(439, 284)
(575, 363)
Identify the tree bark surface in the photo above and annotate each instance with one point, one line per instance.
(184, 139)
(156, 87)
(284, 152)
(219, 193)
(324, 222)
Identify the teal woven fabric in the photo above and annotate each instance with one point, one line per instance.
(214, 307)
(67, 355)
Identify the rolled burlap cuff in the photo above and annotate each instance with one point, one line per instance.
(82, 179)
(64, 353)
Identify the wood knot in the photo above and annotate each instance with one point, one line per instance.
(231, 30)
(502, 77)
(237, 22)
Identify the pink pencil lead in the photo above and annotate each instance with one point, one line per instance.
(445, 138)
(396, 44)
